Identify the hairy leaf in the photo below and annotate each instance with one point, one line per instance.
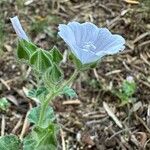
(57, 56)
(53, 76)
(41, 60)
(25, 49)
(42, 139)
(9, 142)
(69, 92)
(34, 116)
(39, 93)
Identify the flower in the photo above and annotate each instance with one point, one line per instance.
(130, 79)
(88, 42)
(18, 28)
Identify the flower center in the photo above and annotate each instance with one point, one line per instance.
(88, 46)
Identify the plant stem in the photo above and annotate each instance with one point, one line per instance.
(53, 95)
(74, 75)
(44, 107)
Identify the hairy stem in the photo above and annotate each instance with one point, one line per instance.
(44, 107)
(53, 95)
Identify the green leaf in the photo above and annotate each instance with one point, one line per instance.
(4, 104)
(42, 139)
(128, 88)
(69, 92)
(39, 93)
(25, 49)
(34, 116)
(29, 143)
(53, 76)
(41, 60)
(125, 92)
(121, 96)
(57, 56)
(9, 142)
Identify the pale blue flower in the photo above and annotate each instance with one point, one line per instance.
(18, 28)
(88, 42)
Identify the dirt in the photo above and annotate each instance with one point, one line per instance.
(86, 125)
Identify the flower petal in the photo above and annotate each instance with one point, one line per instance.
(18, 28)
(68, 36)
(91, 31)
(88, 57)
(113, 45)
(83, 32)
(88, 42)
(104, 37)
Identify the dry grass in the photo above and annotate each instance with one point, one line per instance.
(86, 125)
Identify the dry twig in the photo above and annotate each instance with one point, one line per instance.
(3, 123)
(112, 115)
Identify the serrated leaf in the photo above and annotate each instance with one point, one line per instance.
(69, 92)
(53, 76)
(25, 49)
(48, 118)
(9, 142)
(41, 60)
(42, 139)
(56, 55)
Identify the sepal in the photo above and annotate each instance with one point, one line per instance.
(41, 60)
(25, 49)
(53, 76)
(78, 64)
(56, 55)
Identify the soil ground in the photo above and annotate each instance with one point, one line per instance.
(85, 125)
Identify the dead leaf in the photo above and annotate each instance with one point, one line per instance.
(111, 114)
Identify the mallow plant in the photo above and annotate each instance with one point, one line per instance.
(126, 91)
(87, 44)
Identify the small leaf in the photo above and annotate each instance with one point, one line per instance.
(128, 88)
(9, 142)
(125, 92)
(34, 116)
(39, 93)
(41, 60)
(4, 104)
(42, 139)
(121, 96)
(53, 76)
(57, 56)
(25, 49)
(69, 92)
(29, 143)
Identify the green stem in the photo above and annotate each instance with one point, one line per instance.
(44, 107)
(68, 82)
(53, 95)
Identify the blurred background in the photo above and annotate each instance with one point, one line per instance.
(85, 124)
